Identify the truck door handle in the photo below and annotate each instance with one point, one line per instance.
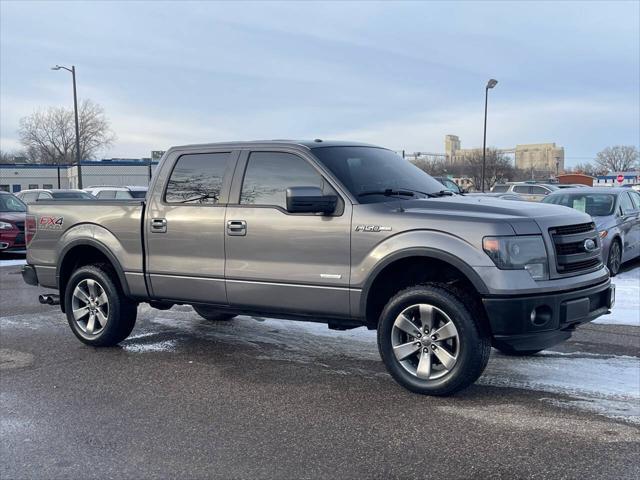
(237, 228)
(159, 225)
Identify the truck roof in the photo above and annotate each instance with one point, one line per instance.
(317, 143)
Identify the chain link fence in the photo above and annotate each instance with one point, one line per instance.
(17, 177)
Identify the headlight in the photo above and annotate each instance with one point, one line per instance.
(518, 253)
(6, 226)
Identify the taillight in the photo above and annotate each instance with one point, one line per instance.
(29, 229)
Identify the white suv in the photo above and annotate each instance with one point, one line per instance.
(534, 192)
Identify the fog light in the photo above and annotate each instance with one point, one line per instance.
(541, 315)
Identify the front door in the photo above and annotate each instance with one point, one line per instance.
(185, 229)
(280, 261)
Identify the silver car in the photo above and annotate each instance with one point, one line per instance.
(616, 212)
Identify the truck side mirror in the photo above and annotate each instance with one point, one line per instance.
(310, 200)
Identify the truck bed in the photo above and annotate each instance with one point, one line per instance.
(115, 224)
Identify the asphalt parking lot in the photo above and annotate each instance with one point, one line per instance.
(260, 398)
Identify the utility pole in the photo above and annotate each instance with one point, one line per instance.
(72, 70)
(490, 84)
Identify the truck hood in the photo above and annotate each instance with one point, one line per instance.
(525, 217)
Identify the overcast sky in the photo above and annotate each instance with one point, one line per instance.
(402, 75)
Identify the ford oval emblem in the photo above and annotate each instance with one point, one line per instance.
(590, 245)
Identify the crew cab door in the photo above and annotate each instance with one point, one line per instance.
(281, 261)
(184, 226)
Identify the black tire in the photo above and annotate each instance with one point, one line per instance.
(474, 342)
(615, 258)
(211, 314)
(121, 311)
(516, 353)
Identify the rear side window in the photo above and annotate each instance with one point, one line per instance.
(522, 189)
(106, 194)
(625, 203)
(635, 197)
(29, 197)
(269, 174)
(539, 190)
(122, 195)
(197, 178)
(500, 188)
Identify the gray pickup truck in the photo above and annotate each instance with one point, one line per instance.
(342, 233)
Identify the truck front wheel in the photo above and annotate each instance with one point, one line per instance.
(98, 312)
(429, 341)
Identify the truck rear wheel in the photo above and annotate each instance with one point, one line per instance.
(429, 341)
(98, 312)
(212, 314)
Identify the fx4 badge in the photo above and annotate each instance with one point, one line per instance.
(372, 228)
(51, 223)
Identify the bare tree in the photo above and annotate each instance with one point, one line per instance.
(586, 168)
(433, 166)
(498, 168)
(13, 156)
(48, 136)
(619, 158)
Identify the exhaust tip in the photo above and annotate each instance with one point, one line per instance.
(49, 299)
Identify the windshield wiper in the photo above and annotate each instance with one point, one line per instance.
(389, 192)
(442, 193)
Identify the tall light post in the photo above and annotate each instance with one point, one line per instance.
(75, 111)
(490, 84)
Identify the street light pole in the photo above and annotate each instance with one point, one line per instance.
(490, 84)
(75, 111)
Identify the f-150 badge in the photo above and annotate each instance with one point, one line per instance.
(372, 228)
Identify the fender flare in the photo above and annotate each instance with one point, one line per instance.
(90, 242)
(425, 252)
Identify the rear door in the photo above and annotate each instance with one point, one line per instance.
(184, 227)
(281, 261)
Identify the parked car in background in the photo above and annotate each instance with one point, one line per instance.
(109, 193)
(12, 216)
(502, 196)
(32, 196)
(531, 191)
(569, 185)
(105, 192)
(616, 213)
(450, 185)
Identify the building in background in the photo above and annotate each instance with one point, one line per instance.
(546, 158)
(15, 177)
(541, 157)
(612, 179)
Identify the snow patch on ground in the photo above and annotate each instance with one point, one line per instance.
(626, 311)
(609, 385)
(12, 263)
(164, 346)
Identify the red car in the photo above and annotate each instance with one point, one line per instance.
(12, 217)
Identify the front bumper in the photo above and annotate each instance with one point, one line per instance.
(535, 322)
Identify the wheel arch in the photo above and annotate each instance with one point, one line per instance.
(81, 252)
(449, 268)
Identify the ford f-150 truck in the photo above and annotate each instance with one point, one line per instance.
(342, 233)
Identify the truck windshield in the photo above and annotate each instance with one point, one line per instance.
(374, 174)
